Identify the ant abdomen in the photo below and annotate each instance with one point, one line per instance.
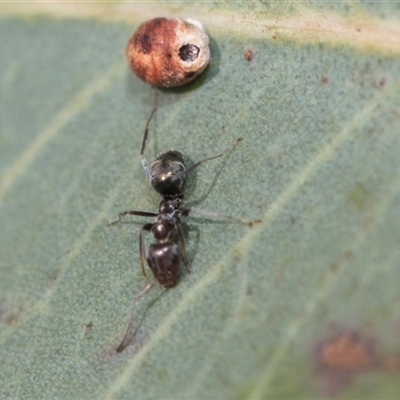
(163, 260)
(167, 174)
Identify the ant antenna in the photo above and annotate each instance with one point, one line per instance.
(229, 149)
(146, 133)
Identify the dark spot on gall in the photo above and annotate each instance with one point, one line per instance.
(143, 42)
(189, 52)
(146, 35)
(189, 74)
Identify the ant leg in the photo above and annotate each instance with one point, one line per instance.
(215, 215)
(130, 212)
(146, 132)
(128, 337)
(145, 228)
(227, 150)
(183, 245)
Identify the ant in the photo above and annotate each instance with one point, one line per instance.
(167, 175)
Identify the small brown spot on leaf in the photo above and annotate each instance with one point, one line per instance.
(338, 360)
(10, 315)
(53, 275)
(324, 80)
(337, 264)
(248, 55)
(348, 255)
(334, 266)
(346, 352)
(391, 363)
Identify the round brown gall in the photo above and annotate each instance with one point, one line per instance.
(168, 52)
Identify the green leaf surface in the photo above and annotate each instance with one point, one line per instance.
(267, 310)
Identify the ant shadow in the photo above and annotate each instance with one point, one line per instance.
(134, 337)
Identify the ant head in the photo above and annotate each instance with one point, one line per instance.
(167, 174)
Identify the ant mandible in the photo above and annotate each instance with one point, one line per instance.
(167, 176)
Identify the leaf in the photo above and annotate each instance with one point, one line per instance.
(302, 305)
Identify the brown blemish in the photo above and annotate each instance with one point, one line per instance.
(10, 315)
(145, 37)
(382, 82)
(109, 354)
(53, 276)
(248, 55)
(143, 43)
(280, 156)
(340, 358)
(324, 80)
(89, 325)
(347, 255)
(391, 363)
(346, 352)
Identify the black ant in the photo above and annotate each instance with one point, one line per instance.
(167, 176)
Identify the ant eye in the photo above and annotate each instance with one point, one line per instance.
(168, 52)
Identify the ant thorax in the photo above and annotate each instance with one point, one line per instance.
(169, 208)
(167, 174)
(164, 229)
